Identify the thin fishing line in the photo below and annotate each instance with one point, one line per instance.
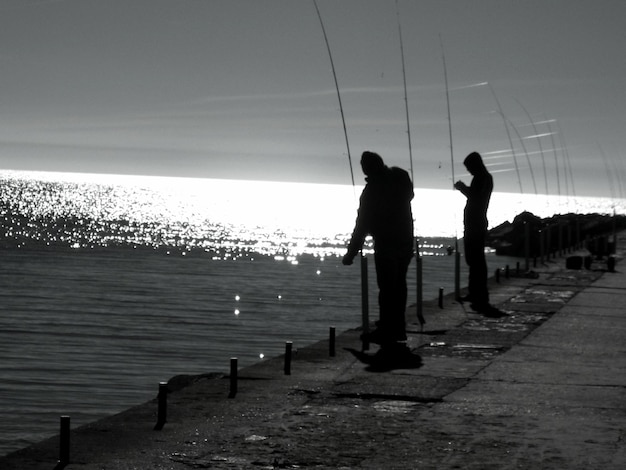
(406, 99)
(332, 65)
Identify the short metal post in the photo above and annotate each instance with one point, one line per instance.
(457, 271)
(610, 263)
(549, 243)
(331, 342)
(365, 322)
(569, 238)
(527, 246)
(64, 441)
(506, 271)
(162, 406)
(288, 349)
(441, 297)
(497, 275)
(419, 284)
(233, 377)
(614, 250)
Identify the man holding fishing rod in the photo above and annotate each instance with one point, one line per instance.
(478, 194)
(385, 214)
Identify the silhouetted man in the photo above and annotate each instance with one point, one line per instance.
(478, 194)
(385, 214)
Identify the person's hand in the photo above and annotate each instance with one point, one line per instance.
(459, 185)
(347, 260)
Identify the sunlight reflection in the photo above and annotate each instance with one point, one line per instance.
(227, 220)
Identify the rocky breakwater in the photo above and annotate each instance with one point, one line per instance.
(531, 236)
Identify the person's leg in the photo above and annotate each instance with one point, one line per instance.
(400, 297)
(476, 261)
(392, 294)
(480, 275)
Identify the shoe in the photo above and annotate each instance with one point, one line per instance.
(465, 298)
(380, 337)
(493, 312)
(395, 356)
(488, 310)
(478, 306)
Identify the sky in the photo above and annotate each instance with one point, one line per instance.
(244, 89)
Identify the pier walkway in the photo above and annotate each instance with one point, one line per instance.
(543, 387)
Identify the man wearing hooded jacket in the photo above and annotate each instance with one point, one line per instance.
(478, 194)
(385, 214)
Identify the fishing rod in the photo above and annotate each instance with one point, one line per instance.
(445, 77)
(565, 152)
(406, 99)
(556, 163)
(609, 176)
(418, 259)
(543, 159)
(508, 133)
(521, 141)
(364, 264)
(457, 255)
(554, 149)
(332, 65)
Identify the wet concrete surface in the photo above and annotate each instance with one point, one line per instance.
(541, 387)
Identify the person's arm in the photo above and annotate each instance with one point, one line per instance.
(356, 241)
(461, 186)
(361, 230)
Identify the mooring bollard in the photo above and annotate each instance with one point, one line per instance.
(161, 407)
(441, 297)
(506, 272)
(233, 377)
(517, 269)
(497, 274)
(64, 443)
(288, 348)
(331, 341)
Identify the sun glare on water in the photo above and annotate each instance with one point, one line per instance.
(229, 218)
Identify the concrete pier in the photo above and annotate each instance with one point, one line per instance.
(542, 387)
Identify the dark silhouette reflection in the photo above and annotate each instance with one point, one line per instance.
(478, 194)
(385, 214)
(389, 358)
